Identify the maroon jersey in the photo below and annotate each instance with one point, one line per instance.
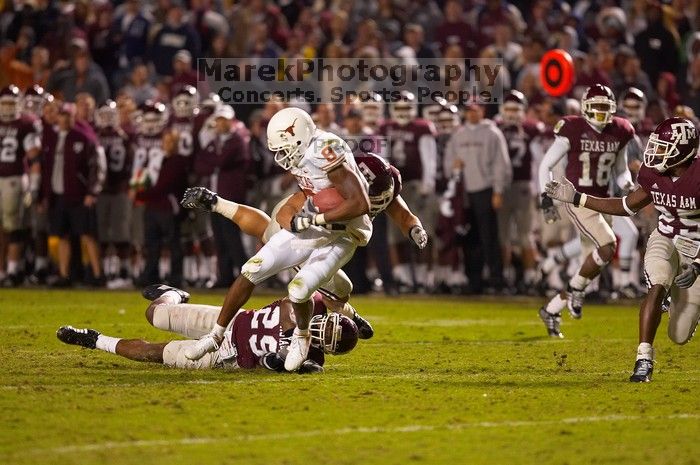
(592, 154)
(255, 333)
(404, 148)
(16, 139)
(678, 202)
(118, 153)
(518, 138)
(187, 143)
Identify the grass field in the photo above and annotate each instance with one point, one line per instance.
(442, 381)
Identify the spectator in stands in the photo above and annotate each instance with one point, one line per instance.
(84, 75)
(479, 149)
(414, 37)
(655, 45)
(139, 87)
(175, 35)
(456, 31)
(226, 161)
(183, 74)
(692, 93)
(666, 90)
(73, 173)
(130, 31)
(628, 73)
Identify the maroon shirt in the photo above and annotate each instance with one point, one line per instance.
(460, 33)
(81, 170)
(258, 332)
(592, 154)
(117, 148)
(678, 202)
(404, 150)
(187, 144)
(518, 138)
(227, 161)
(15, 136)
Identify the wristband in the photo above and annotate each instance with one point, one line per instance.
(579, 199)
(225, 207)
(629, 211)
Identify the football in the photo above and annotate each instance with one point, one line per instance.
(327, 199)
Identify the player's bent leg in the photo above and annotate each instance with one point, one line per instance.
(174, 356)
(649, 320)
(684, 313)
(132, 349)
(278, 254)
(252, 221)
(189, 320)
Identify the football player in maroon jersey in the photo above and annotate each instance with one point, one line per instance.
(20, 144)
(113, 204)
(515, 217)
(670, 180)
(633, 104)
(255, 338)
(594, 147)
(412, 149)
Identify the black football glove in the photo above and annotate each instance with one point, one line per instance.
(309, 366)
(199, 198)
(550, 212)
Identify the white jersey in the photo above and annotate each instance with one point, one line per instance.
(326, 152)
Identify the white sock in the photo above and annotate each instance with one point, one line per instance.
(12, 267)
(172, 297)
(106, 343)
(301, 332)
(645, 351)
(579, 283)
(219, 330)
(213, 267)
(556, 305)
(41, 263)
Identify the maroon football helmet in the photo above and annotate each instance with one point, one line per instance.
(107, 116)
(10, 99)
(403, 111)
(598, 105)
(335, 333)
(513, 108)
(34, 99)
(634, 103)
(673, 142)
(185, 102)
(372, 110)
(152, 118)
(377, 172)
(432, 109)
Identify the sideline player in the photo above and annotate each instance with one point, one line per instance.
(253, 338)
(670, 179)
(595, 147)
(322, 242)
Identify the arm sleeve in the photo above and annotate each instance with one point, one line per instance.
(503, 171)
(428, 157)
(332, 155)
(622, 170)
(556, 152)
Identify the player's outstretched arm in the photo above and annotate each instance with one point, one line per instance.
(629, 205)
(356, 201)
(409, 224)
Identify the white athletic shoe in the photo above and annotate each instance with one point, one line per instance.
(206, 344)
(298, 351)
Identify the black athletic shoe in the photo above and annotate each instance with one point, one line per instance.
(364, 329)
(643, 370)
(78, 337)
(154, 291)
(551, 322)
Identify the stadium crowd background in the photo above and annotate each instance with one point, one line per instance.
(90, 52)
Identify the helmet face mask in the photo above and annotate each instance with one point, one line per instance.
(334, 333)
(673, 142)
(152, 119)
(10, 104)
(107, 116)
(404, 110)
(598, 106)
(512, 113)
(379, 202)
(289, 134)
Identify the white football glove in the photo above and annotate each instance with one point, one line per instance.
(419, 236)
(562, 190)
(206, 344)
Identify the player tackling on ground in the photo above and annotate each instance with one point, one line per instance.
(595, 147)
(322, 242)
(670, 179)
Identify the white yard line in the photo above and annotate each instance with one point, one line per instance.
(111, 445)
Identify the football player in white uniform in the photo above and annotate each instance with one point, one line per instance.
(322, 242)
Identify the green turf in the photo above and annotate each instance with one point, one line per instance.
(443, 381)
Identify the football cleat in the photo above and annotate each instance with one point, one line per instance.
(574, 302)
(643, 369)
(154, 291)
(82, 337)
(552, 323)
(298, 351)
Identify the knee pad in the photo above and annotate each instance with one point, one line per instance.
(252, 268)
(17, 236)
(299, 291)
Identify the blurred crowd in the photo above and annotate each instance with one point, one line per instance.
(103, 128)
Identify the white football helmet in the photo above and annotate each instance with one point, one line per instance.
(289, 134)
(404, 110)
(107, 116)
(598, 105)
